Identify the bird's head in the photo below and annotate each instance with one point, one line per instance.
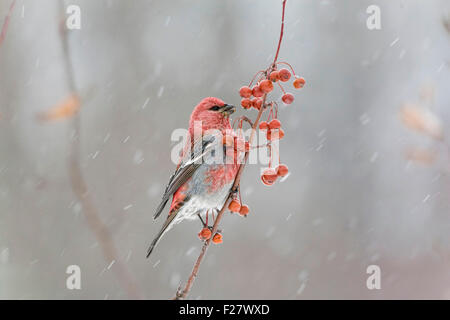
(213, 113)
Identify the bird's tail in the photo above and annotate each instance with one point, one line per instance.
(161, 232)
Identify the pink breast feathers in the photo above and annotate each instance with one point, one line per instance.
(221, 175)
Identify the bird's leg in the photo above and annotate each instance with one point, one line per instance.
(200, 217)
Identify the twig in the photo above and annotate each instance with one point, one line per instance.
(281, 33)
(6, 23)
(81, 190)
(181, 294)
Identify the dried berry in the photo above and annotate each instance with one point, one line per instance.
(287, 98)
(244, 210)
(269, 135)
(217, 238)
(205, 234)
(269, 176)
(263, 125)
(234, 206)
(257, 103)
(299, 83)
(282, 170)
(257, 92)
(266, 86)
(245, 92)
(274, 76)
(276, 134)
(246, 103)
(284, 74)
(274, 124)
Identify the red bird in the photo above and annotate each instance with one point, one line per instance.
(198, 185)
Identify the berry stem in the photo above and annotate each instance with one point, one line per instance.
(281, 34)
(240, 198)
(269, 147)
(254, 77)
(287, 64)
(276, 109)
(281, 87)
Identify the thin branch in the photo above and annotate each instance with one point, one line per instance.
(6, 22)
(81, 190)
(281, 33)
(181, 294)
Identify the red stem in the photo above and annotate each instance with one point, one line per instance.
(285, 63)
(254, 77)
(281, 87)
(281, 34)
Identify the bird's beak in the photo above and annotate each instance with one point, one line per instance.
(227, 109)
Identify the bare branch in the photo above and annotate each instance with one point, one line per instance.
(81, 190)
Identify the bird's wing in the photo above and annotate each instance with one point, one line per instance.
(201, 147)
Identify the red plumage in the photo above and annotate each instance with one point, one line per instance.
(199, 187)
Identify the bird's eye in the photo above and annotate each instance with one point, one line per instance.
(215, 108)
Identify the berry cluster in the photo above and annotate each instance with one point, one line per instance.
(206, 233)
(256, 97)
(264, 85)
(236, 207)
(270, 175)
(273, 132)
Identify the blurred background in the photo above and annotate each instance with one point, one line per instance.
(363, 188)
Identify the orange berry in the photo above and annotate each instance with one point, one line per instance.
(274, 124)
(269, 176)
(246, 103)
(269, 135)
(217, 238)
(204, 234)
(227, 140)
(282, 170)
(284, 74)
(244, 210)
(257, 103)
(274, 76)
(245, 92)
(257, 92)
(287, 98)
(234, 206)
(263, 125)
(266, 86)
(276, 134)
(299, 83)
